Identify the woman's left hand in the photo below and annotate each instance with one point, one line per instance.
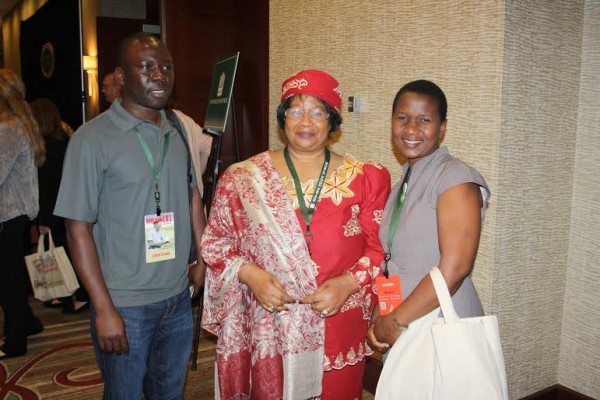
(385, 330)
(372, 339)
(329, 298)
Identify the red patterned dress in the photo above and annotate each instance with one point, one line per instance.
(255, 219)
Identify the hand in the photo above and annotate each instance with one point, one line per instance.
(329, 298)
(385, 330)
(267, 289)
(110, 331)
(43, 229)
(196, 275)
(371, 338)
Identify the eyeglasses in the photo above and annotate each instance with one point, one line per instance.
(316, 115)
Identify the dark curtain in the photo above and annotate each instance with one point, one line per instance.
(51, 37)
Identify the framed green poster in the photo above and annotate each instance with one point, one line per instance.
(221, 91)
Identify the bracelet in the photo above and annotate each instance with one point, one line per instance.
(401, 328)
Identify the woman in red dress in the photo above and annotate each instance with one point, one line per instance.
(292, 246)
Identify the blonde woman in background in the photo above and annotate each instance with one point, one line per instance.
(21, 151)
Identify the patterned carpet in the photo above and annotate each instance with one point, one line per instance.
(60, 363)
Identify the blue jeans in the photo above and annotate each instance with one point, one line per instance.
(160, 342)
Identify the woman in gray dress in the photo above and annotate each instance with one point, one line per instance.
(432, 218)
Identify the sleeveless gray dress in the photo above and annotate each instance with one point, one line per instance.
(415, 248)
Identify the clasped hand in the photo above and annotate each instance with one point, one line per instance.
(326, 301)
(329, 298)
(382, 333)
(267, 289)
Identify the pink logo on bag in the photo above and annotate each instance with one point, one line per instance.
(47, 273)
(48, 263)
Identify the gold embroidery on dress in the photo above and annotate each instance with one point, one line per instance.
(336, 186)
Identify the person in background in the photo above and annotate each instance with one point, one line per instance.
(292, 249)
(200, 145)
(199, 142)
(56, 140)
(433, 216)
(114, 184)
(21, 151)
(110, 88)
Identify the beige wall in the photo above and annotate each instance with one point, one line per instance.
(540, 89)
(511, 71)
(579, 359)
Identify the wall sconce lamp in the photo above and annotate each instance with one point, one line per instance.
(90, 65)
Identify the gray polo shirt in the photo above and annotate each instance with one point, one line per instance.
(107, 180)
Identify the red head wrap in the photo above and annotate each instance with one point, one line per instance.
(316, 83)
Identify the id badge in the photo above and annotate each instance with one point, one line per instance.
(389, 292)
(160, 237)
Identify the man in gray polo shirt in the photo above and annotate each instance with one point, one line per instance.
(124, 171)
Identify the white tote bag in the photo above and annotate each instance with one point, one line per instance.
(448, 358)
(50, 271)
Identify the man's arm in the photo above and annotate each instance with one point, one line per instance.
(110, 327)
(198, 271)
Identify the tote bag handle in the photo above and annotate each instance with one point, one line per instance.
(40, 247)
(443, 295)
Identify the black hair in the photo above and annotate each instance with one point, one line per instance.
(335, 119)
(125, 43)
(427, 88)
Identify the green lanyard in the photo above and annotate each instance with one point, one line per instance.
(155, 171)
(307, 212)
(395, 217)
